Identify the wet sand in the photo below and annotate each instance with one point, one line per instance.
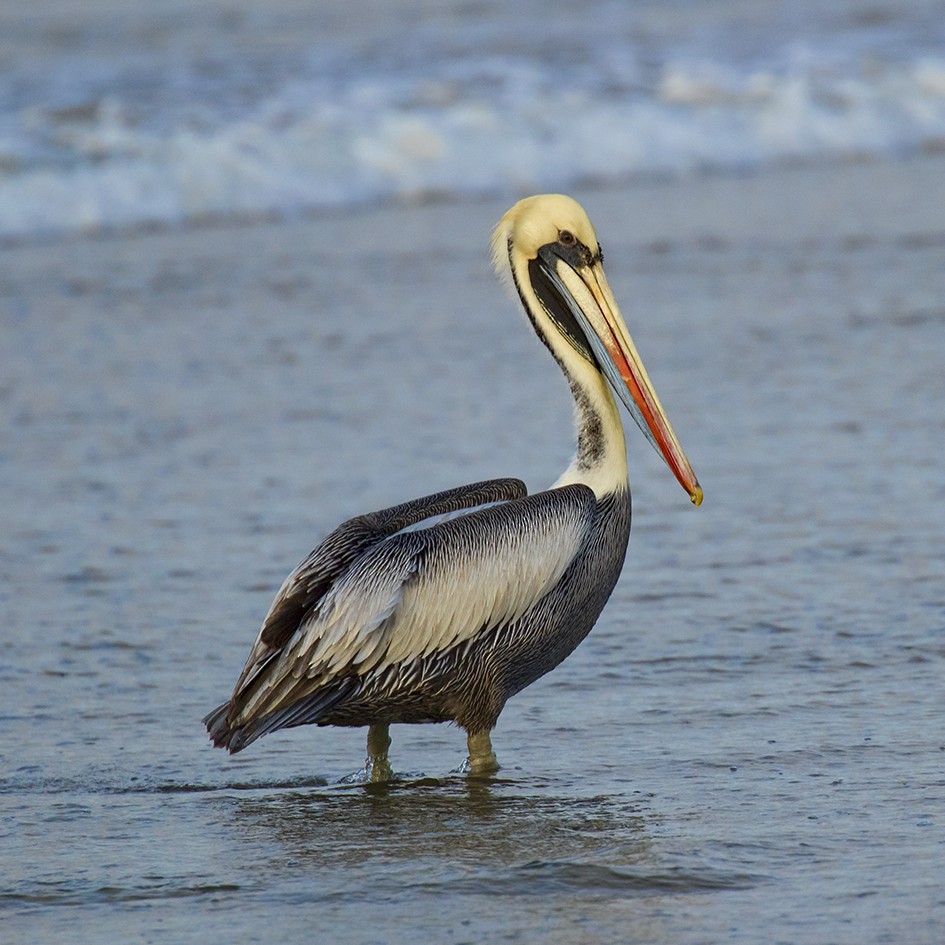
(747, 747)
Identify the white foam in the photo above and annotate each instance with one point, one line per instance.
(489, 126)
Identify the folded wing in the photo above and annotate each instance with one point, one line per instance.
(386, 590)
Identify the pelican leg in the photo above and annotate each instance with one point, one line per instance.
(481, 758)
(377, 767)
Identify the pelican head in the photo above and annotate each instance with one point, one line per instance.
(547, 246)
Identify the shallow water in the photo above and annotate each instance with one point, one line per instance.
(749, 745)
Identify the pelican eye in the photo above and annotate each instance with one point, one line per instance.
(567, 238)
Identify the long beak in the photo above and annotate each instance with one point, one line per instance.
(590, 300)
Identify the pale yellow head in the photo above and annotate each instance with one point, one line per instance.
(537, 221)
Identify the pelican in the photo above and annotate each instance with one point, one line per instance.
(442, 608)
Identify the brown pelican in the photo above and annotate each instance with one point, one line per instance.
(442, 608)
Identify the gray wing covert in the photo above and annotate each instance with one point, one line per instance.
(308, 584)
(422, 592)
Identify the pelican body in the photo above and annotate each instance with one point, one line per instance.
(443, 608)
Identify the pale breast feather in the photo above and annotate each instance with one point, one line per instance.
(422, 592)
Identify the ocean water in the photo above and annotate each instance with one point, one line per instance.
(118, 115)
(748, 747)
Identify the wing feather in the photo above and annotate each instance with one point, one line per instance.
(305, 587)
(422, 592)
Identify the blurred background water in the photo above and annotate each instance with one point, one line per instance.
(245, 294)
(121, 112)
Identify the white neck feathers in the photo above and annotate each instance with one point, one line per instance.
(601, 458)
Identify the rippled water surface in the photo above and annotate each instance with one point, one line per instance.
(748, 747)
